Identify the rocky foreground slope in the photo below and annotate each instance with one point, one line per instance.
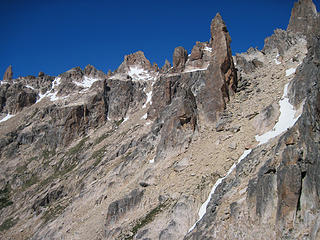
(134, 154)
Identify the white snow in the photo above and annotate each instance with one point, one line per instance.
(125, 119)
(148, 123)
(290, 71)
(52, 93)
(144, 116)
(86, 82)
(286, 119)
(3, 82)
(137, 73)
(203, 207)
(208, 49)
(6, 117)
(196, 69)
(152, 160)
(276, 59)
(149, 97)
(28, 86)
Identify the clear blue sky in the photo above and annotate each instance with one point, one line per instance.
(55, 35)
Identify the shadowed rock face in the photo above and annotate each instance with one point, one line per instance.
(14, 97)
(8, 74)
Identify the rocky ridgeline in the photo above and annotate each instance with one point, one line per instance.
(132, 154)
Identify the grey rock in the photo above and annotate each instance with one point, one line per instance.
(120, 207)
(303, 17)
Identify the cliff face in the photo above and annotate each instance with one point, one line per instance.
(134, 153)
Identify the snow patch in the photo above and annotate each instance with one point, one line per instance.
(193, 69)
(28, 86)
(208, 49)
(148, 123)
(125, 119)
(137, 73)
(52, 93)
(7, 117)
(290, 71)
(203, 208)
(149, 97)
(286, 119)
(151, 160)
(144, 116)
(3, 82)
(86, 82)
(276, 59)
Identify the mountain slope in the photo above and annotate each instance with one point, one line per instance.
(134, 154)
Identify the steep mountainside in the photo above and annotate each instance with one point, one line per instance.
(213, 147)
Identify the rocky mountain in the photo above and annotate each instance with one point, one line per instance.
(212, 146)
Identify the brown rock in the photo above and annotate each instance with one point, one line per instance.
(180, 56)
(220, 42)
(8, 74)
(134, 59)
(196, 53)
(41, 74)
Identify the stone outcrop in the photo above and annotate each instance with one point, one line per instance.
(14, 97)
(303, 17)
(134, 59)
(119, 207)
(180, 101)
(280, 40)
(220, 42)
(120, 95)
(179, 58)
(8, 74)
